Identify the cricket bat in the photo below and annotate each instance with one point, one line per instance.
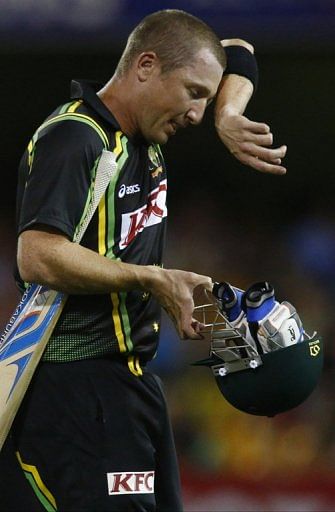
(27, 333)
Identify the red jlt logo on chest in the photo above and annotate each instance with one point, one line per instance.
(147, 215)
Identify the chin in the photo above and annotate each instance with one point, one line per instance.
(157, 138)
(162, 138)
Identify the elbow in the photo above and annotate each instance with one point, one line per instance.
(30, 268)
(24, 271)
(33, 260)
(23, 265)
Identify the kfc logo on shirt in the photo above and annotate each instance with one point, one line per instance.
(136, 482)
(149, 214)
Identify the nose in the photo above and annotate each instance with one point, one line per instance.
(196, 111)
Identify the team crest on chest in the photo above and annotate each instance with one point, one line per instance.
(155, 166)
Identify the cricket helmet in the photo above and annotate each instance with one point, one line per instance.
(263, 361)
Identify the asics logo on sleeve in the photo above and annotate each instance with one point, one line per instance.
(127, 190)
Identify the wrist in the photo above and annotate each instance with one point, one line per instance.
(224, 114)
(242, 62)
(150, 277)
(233, 97)
(225, 111)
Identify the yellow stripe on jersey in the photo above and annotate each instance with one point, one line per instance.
(102, 226)
(74, 116)
(134, 366)
(118, 145)
(138, 366)
(114, 296)
(74, 106)
(102, 223)
(30, 154)
(69, 115)
(117, 323)
(41, 490)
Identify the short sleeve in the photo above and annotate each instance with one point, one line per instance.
(54, 190)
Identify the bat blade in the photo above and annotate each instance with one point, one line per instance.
(22, 345)
(29, 329)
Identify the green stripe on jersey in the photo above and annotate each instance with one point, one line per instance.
(40, 496)
(93, 173)
(65, 107)
(74, 116)
(66, 116)
(121, 159)
(125, 321)
(121, 149)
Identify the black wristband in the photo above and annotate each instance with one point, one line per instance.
(241, 62)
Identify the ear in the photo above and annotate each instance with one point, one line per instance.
(147, 64)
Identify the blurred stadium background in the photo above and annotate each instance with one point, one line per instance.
(226, 221)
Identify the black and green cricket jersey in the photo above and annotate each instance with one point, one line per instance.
(55, 177)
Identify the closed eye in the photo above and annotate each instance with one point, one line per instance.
(197, 94)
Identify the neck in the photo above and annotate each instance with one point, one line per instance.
(117, 98)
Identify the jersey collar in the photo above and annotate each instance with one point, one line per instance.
(86, 90)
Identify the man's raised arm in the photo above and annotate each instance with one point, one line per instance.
(249, 141)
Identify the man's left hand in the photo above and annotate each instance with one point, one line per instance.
(250, 142)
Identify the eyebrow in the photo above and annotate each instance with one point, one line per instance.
(203, 90)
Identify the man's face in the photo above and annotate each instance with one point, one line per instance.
(178, 98)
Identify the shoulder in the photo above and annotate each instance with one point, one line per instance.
(73, 129)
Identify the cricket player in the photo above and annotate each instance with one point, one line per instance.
(93, 433)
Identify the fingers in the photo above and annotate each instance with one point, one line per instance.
(191, 330)
(195, 334)
(189, 327)
(254, 126)
(261, 166)
(197, 326)
(262, 159)
(250, 142)
(206, 283)
(257, 138)
(266, 154)
(176, 296)
(257, 133)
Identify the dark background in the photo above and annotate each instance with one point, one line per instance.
(225, 220)
(294, 96)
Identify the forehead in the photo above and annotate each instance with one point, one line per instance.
(204, 70)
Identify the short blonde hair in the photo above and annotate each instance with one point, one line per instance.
(175, 36)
